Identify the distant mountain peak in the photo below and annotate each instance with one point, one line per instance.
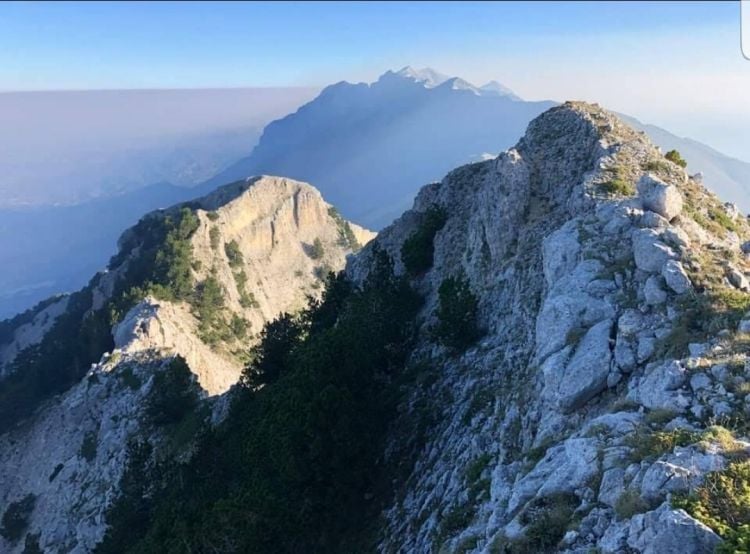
(426, 76)
(498, 89)
(430, 78)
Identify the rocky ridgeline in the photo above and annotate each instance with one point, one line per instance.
(267, 243)
(611, 377)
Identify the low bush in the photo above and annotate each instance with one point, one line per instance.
(418, 250)
(648, 444)
(233, 253)
(629, 504)
(174, 393)
(88, 447)
(675, 157)
(722, 502)
(619, 184)
(16, 518)
(316, 251)
(457, 314)
(214, 237)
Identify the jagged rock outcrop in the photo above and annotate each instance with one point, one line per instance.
(266, 244)
(596, 263)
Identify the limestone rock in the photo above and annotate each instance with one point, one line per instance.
(676, 277)
(650, 253)
(659, 197)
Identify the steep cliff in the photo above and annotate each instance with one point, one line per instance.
(611, 377)
(196, 281)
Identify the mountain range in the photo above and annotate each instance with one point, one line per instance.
(548, 353)
(367, 147)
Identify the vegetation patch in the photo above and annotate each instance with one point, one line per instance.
(316, 251)
(647, 444)
(233, 254)
(457, 314)
(247, 298)
(214, 237)
(675, 157)
(130, 379)
(619, 184)
(347, 238)
(723, 503)
(702, 315)
(299, 455)
(173, 394)
(629, 504)
(418, 249)
(16, 518)
(546, 520)
(88, 447)
(454, 521)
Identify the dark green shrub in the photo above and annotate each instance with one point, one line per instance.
(629, 504)
(457, 314)
(675, 157)
(214, 237)
(722, 502)
(418, 250)
(270, 357)
(647, 444)
(88, 447)
(212, 216)
(31, 545)
(316, 251)
(16, 518)
(546, 519)
(347, 238)
(233, 253)
(130, 379)
(619, 184)
(247, 298)
(174, 393)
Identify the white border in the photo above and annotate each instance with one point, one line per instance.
(745, 28)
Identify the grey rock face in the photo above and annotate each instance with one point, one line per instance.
(585, 374)
(650, 253)
(663, 531)
(659, 197)
(676, 277)
(579, 294)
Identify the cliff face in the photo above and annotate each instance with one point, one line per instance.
(263, 245)
(611, 291)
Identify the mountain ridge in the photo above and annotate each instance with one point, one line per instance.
(547, 353)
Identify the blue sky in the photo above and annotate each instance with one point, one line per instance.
(677, 64)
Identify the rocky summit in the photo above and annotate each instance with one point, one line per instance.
(548, 353)
(611, 377)
(231, 261)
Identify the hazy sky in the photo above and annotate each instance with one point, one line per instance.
(675, 64)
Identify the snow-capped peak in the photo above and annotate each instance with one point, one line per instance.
(429, 78)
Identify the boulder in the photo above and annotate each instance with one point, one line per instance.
(585, 375)
(676, 277)
(667, 531)
(738, 279)
(658, 389)
(649, 252)
(659, 197)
